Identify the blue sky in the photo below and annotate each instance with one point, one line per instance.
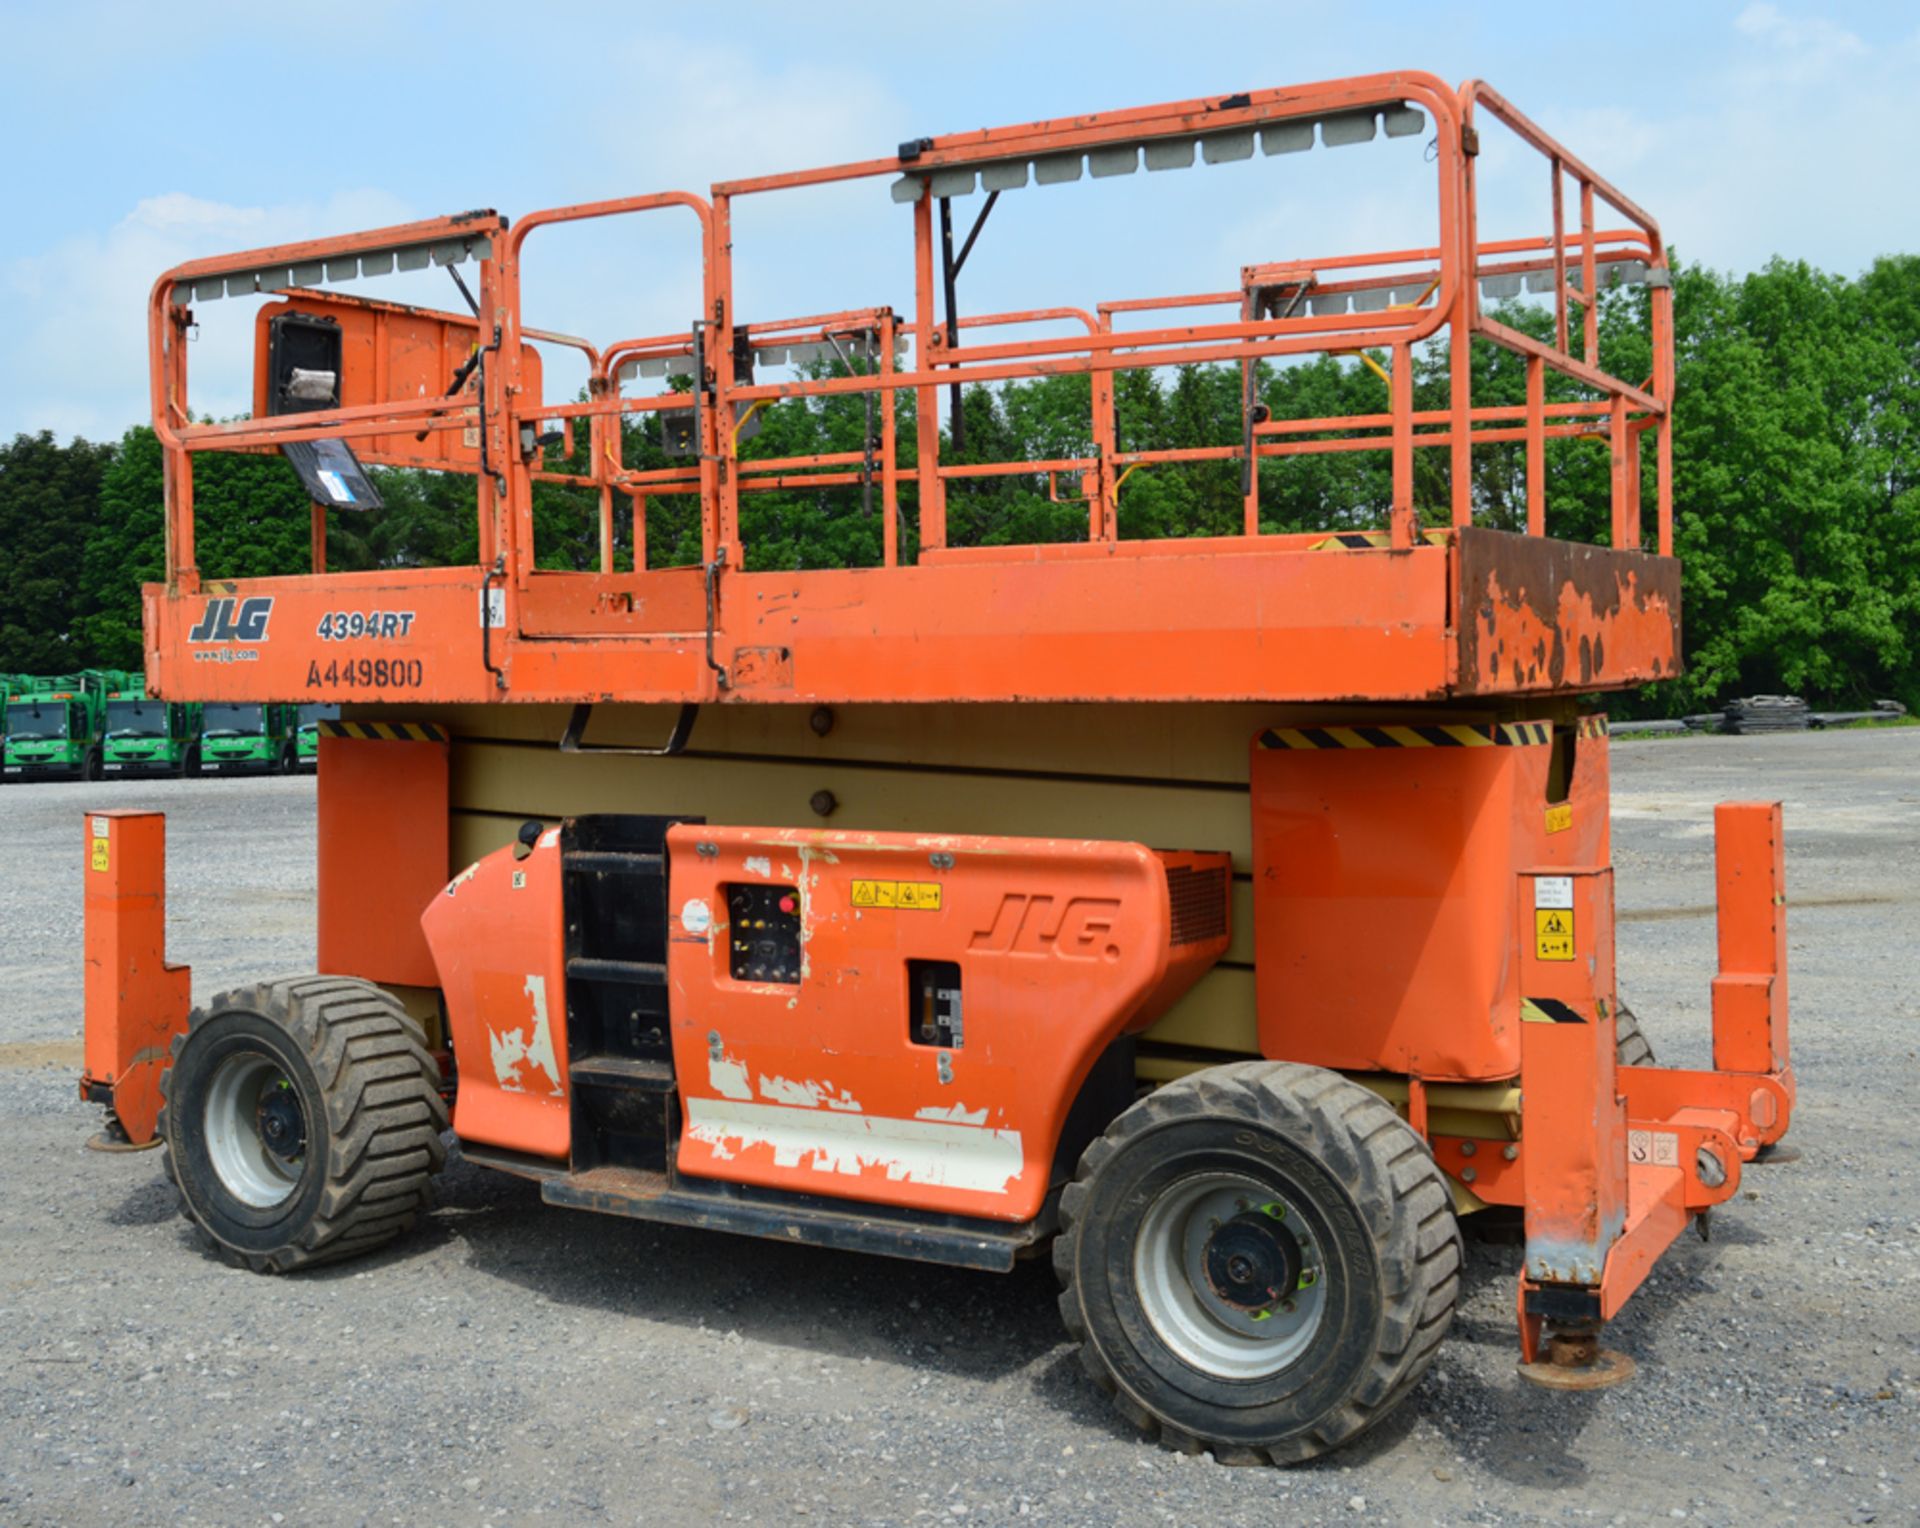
(141, 135)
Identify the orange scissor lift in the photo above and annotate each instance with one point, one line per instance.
(1235, 912)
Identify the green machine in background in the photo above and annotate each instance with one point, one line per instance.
(55, 724)
(248, 738)
(144, 736)
(306, 740)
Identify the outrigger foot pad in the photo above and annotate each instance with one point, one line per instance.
(113, 1137)
(1576, 1361)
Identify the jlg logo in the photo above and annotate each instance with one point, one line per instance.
(1082, 930)
(223, 622)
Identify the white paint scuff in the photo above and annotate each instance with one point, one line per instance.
(959, 1114)
(760, 865)
(511, 1047)
(936, 1153)
(806, 1095)
(728, 1078)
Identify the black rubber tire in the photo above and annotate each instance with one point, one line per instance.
(1373, 1199)
(369, 1093)
(90, 766)
(1630, 1047)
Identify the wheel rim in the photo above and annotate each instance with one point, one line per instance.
(1229, 1229)
(256, 1131)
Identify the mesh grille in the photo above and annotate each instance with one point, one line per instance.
(1199, 902)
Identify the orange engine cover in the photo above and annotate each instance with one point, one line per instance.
(836, 1082)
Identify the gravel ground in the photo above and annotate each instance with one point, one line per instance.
(510, 1362)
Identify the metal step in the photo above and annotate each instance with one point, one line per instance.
(651, 1076)
(516, 1162)
(956, 1241)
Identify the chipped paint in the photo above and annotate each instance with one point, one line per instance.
(462, 878)
(512, 1049)
(725, 1076)
(959, 1114)
(807, 1095)
(760, 865)
(936, 1153)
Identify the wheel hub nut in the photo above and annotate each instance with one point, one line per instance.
(1252, 1261)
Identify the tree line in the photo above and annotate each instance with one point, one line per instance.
(1796, 487)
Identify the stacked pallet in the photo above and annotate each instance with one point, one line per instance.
(1767, 713)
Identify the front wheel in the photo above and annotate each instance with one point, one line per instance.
(302, 1121)
(1260, 1258)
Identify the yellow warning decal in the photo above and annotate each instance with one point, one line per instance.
(1552, 933)
(98, 860)
(1417, 735)
(1362, 541)
(385, 732)
(1549, 1010)
(915, 896)
(1560, 817)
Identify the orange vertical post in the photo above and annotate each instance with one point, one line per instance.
(1750, 993)
(1572, 1118)
(1106, 443)
(889, 444)
(1460, 393)
(721, 475)
(1402, 391)
(135, 1003)
(1589, 277)
(1536, 446)
(1663, 426)
(1619, 445)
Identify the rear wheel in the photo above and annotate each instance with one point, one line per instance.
(1260, 1258)
(302, 1121)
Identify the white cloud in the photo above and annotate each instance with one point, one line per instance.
(1787, 141)
(76, 360)
(1797, 49)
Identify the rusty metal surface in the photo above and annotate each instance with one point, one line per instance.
(1536, 615)
(1601, 1369)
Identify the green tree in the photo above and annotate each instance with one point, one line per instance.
(49, 501)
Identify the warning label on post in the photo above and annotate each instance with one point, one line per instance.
(917, 896)
(1552, 933)
(1653, 1148)
(98, 858)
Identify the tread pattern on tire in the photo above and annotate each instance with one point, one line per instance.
(385, 1116)
(1401, 1193)
(1631, 1047)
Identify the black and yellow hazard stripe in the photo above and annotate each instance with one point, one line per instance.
(1419, 735)
(1363, 541)
(1549, 1010)
(385, 732)
(1592, 726)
